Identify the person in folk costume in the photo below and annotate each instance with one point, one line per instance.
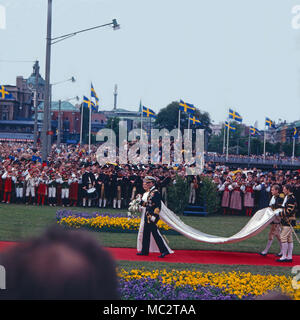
(113, 188)
(1, 185)
(165, 181)
(80, 173)
(288, 221)
(235, 197)
(100, 187)
(275, 203)
(9, 180)
(88, 183)
(42, 188)
(74, 187)
(225, 202)
(264, 189)
(52, 184)
(125, 188)
(31, 182)
(151, 206)
(133, 184)
(139, 181)
(193, 189)
(109, 186)
(20, 183)
(65, 189)
(119, 185)
(248, 190)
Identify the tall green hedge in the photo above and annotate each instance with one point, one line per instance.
(178, 195)
(209, 195)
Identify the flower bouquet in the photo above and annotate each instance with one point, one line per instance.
(134, 207)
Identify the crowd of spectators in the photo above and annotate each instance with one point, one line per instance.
(73, 177)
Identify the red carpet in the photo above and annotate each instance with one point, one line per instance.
(204, 257)
(193, 256)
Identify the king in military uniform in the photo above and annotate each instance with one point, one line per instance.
(152, 208)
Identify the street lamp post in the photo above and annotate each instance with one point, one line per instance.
(59, 124)
(35, 127)
(47, 84)
(49, 42)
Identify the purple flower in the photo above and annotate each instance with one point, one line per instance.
(154, 289)
(67, 213)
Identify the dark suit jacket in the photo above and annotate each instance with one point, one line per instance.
(87, 178)
(153, 204)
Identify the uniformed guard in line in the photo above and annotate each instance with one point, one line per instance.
(288, 221)
(153, 206)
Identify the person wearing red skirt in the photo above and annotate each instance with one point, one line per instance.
(42, 190)
(8, 185)
(73, 197)
(248, 191)
(225, 202)
(235, 198)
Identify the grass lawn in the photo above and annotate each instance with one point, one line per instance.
(18, 222)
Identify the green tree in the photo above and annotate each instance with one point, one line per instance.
(178, 195)
(209, 195)
(215, 143)
(113, 124)
(167, 118)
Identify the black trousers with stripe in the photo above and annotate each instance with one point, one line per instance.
(148, 229)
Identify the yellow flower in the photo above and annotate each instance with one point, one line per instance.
(238, 283)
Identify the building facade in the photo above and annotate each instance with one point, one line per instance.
(21, 107)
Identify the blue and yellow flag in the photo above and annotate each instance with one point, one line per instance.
(5, 95)
(149, 113)
(235, 115)
(254, 131)
(87, 103)
(186, 107)
(295, 133)
(269, 123)
(193, 120)
(94, 94)
(231, 127)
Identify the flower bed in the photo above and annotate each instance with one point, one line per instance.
(103, 221)
(184, 285)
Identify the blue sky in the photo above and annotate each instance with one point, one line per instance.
(215, 54)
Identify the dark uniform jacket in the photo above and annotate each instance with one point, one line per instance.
(288, 216)
(278, 203)
(87, 179)
(153, 205)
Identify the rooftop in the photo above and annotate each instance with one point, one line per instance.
(65, 106)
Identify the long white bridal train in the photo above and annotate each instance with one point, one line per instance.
(259, 221)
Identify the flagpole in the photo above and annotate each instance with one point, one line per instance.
(90, 127)
(141, 124)
(294, 142)
(227, 141)
(188, 127)
(249, 141)
(265, 144)
(178, 124)
(81, 125)
(224, 139)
